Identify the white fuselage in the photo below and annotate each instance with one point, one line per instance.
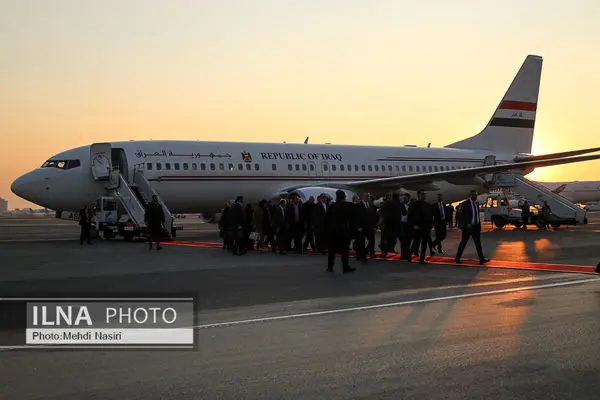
(578, 191)
(194, 176)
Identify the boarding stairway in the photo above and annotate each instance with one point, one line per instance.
(561, 208)
(141, 186)
(134, 196)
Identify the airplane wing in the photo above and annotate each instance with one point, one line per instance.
(454, 175)
(556, 155)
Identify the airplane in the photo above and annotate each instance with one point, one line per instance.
(581, 192)
(199, 176)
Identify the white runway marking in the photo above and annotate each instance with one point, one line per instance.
(397, 304)
(362, 308)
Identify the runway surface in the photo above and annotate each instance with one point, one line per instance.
(279, 327)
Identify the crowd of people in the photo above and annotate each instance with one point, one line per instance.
(335, 227)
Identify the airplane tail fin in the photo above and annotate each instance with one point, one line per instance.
(510, 130)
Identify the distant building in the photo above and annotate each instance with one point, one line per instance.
(3, 206)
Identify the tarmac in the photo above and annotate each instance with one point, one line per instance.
(279, 327)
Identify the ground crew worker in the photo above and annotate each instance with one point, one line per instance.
(85, 223)
(155, 218)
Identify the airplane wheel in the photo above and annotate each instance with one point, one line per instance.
(540, 224)
(499, 223)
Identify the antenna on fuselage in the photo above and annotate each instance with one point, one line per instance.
(306, 140)
(428, 145)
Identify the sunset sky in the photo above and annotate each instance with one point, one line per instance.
(381, 72)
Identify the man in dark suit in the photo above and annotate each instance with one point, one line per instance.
(308, 219)
(340, 223)
(321, 218)
(154, 218)
(279, 227)
(439, 223)
(359, 214)
(420, 217)
(371, 220)
(470, 225)
(393, 211)
(238, 216)
(294, 226)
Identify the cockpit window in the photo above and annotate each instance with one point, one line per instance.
(61, 164)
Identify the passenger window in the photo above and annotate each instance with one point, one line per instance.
(404, 168)
(377, 168)
(212, 166)
(435, 168)
(290, 167)
(256, 167)
(370, 168)
(240, 167)
(325, 167)
(390, 168)
(195, 166)
(312, 167)
(222, 166)
(303, 167)
(333, 167)
(297, 167)
(248, 167)
(363, 167)
(418, 169)
(342, 167)
(349, 168)
(230, 166)
(185, 166)
(149, 165)
(167, 165)
(356, 167)
(274, 167)
(158, 166)
(177, 166)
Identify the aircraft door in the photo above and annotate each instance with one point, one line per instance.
(325, 169)
(312, 169)
(100, 160)
(119, 160)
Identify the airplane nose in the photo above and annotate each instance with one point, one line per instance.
(24, 188)
(18, 185)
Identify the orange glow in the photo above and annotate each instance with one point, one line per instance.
(513, 250)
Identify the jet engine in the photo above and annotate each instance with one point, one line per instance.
(307, 192)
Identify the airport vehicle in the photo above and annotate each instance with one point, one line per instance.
(199, 177)
(499, 212)
(112, 221)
